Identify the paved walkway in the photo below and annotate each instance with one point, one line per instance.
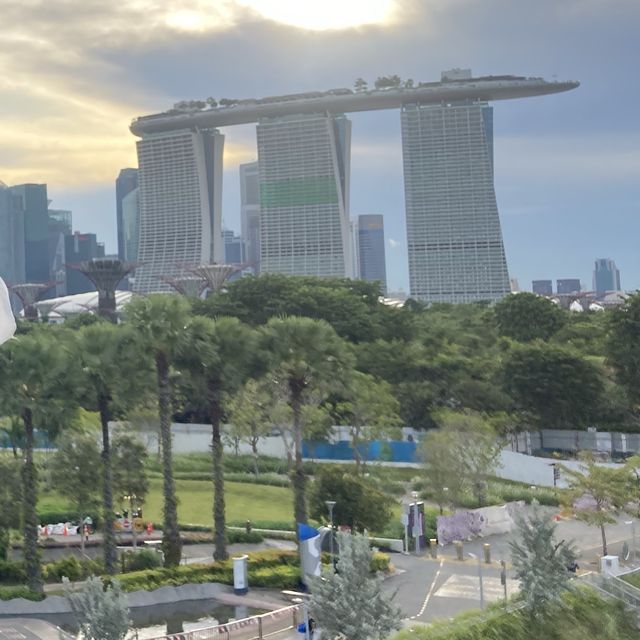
(29, 629)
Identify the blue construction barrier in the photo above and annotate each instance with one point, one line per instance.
(378, 450)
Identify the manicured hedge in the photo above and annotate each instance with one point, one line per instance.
(9, 593)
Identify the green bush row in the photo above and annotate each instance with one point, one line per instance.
(268, 479)
(9, 593)
(13, 571)
(204, 535)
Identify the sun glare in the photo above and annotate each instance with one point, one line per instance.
(323, 15)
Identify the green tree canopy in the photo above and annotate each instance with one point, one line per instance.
(358, 503)
(623, 346)
(527, 316)
(554, 386)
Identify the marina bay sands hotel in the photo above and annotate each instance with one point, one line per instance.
(455, 247)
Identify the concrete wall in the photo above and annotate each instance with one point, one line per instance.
(534, 470)
(611, 443)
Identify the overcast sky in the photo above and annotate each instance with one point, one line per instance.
(73, 73)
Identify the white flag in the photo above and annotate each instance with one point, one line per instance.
(7, 321)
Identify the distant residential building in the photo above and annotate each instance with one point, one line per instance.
(371, 249)
(126, 182)
(234, 248)
(542, 287)
(32, 199)
(12, 245)
(606, 276)
(80, 247)
(180, 191)
(568, 285)
(250, 213)
(304, 165)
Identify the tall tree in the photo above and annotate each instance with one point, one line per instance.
(215, 356)
(623, 346)
(113, 380)
(477, 445)
(555, 387)
(307, 359)
(349, 603)
(160, 321)
(76, 474)
(36, 383)
(527, 316)
(101, 614)
(370, 410)
(597, 494)
(10, 498)
(540, 562)
(252, 415)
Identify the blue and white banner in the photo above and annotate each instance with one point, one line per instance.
(309, 541)
(7, 321)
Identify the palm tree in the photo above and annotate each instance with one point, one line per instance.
(112, 369)
(306, 356)
(37, 383)
(160, 321)
(214, 358)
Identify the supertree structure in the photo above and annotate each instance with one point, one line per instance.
(215, 275)
(28, 293)
(188, 286)
(105, 274)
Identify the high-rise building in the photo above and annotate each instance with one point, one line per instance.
(304, 166)
(126, 182)
(456, 253)
(542, 287)
(12, 260)
(180, 192)
(371, 251)
(81, 247)
(32, 199)
(606, 276)
(60, 226)
(566, 286)
(250, 213)
(130, 225)
(234, 248)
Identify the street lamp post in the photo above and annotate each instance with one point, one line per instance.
(633, 539)
(330, 504)
(416, 529)
(473, 555)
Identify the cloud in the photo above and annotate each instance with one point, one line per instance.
(394, 244)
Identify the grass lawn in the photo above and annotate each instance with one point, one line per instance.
(195, 502)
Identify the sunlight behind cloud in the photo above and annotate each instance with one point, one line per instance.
(325, 15)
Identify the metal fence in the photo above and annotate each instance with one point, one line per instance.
(253, 628)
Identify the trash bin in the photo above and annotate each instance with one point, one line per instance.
(240, 575)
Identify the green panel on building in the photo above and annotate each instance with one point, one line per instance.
(295, 193)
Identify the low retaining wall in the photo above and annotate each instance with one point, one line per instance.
(55, 605)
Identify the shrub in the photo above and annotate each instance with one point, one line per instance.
(9, 593)
(142, 559)
(380, 562)
(275, 525)
(72, 568)
(12, 571)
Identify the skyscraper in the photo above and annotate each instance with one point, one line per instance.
(542, 287)
(80, 247)
(60, 226)
(371, 250)
(456, 253)
(234, 248)
(32, 199)
(126, 182)
(12, 264)
(568, 285)
(180, 192)
(304, 166)
(606, 276)
(250, 212)
(130, 225)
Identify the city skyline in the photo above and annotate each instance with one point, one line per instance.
(566, 167)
